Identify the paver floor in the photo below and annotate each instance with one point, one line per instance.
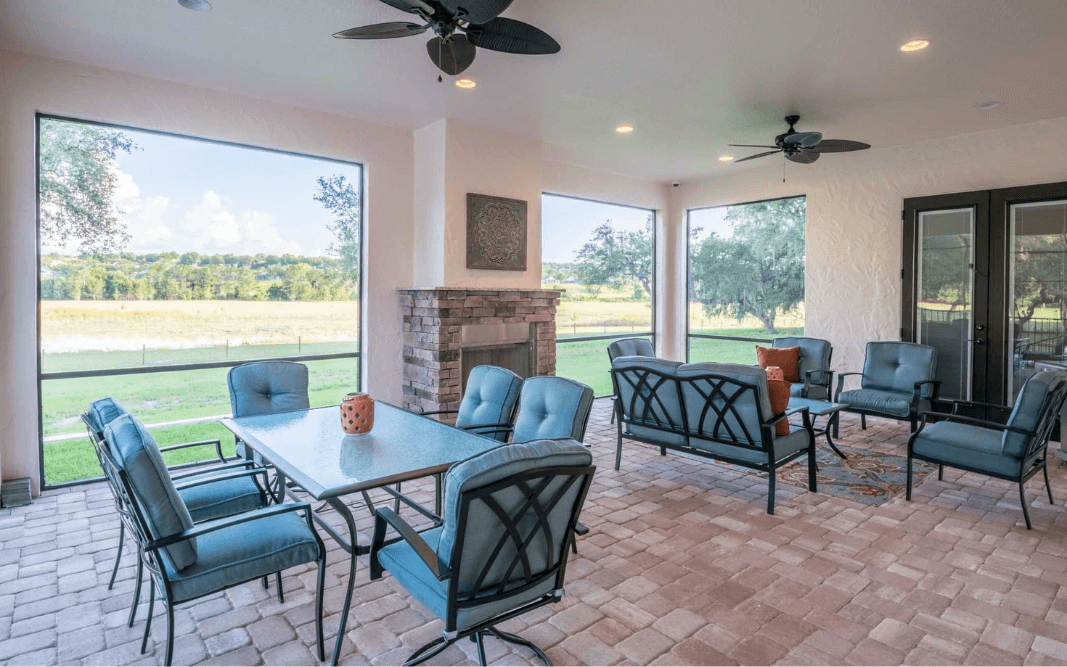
(682, 566)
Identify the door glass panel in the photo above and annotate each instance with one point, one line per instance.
(946, 294)
(1038, 276)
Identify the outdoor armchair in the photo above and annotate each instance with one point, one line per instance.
(1015, 451)
(501, 550)
(897, 382)
(186, 561)
(815, 374)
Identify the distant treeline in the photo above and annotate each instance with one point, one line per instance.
(191, 276)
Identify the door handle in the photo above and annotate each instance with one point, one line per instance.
(977, 341)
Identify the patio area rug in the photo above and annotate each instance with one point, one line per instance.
(867, 477)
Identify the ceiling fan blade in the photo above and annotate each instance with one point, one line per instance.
(382, 31)
(753, 157)
(511, 36)
(840, 146)
(475, 11)
(410, 6)
(751, 146)
(453, 56)
(806, 156)
(802, 139)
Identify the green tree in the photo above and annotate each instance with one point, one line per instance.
(77, 184)
(617, 257)
(342, 200)
(757, 271)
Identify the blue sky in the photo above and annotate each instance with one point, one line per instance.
(568, 224)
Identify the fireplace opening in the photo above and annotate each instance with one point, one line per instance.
(511, 345)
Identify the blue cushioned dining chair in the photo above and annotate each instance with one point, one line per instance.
(187, 561)
(266, 387)
(552, 407)
(209, 492)
(897, 382)
(815, 374)
(509, 516)
(1015, 451)
(488, 401)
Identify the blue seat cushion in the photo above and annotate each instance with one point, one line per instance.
(655, 435)
(216, 500)
(814, 356)
(958, 444)
(884, 402)
(784, 445)
(897, 366)
(103, 411)
(815, 392)
(268, 387)
(631, 347)
(489, 399)
(552, 407)
(243, 552)
(136, 452)
(1027, 413)
(404, 564)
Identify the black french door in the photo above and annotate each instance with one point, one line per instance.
(985, 283)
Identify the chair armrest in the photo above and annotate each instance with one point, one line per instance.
(201, 471)
(957, 403)
(917, 396)
(493, 429)
(980, 422)
(439, 412)
(228, 522)
(237, 474)
(386, 517)
(841, 383)
(198, 443)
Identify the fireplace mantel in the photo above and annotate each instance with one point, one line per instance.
(433, 321)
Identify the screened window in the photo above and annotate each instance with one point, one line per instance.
(602, 256)
(746, 278)
(166, 260)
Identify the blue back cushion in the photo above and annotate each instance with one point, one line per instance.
(552, 407)
(1027, 413)
(483, 529)
(651, 400)
(136, 451)
(748, 409)
(490, 398)
(894, 366)
(267, 387)
(814, 355)
(631, 347)
(103, 411)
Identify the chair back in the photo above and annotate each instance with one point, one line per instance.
(815, 355)
(897, 366)
(1036, 409)
(631, 347)
(509, 518)
(647, 392)
(102, 412)
(727, 403)
(268, 387)
(552, 407)
(489, 399)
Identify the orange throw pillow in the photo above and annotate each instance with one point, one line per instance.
(779, 395)
(786, 358)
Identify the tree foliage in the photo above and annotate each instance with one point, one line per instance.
(759, 270)
(617, 257)
(77, 182)
(342, 200)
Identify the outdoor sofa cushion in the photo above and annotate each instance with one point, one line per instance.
(631, 347)
(552, 407)
(886, 402)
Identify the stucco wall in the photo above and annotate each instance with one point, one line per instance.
(854, 226)
(32, 84)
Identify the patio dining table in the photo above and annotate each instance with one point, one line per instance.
(309, 449)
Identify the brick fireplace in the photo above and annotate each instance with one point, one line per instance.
(515, 326)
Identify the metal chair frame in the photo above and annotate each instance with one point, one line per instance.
(150, 558)
(531, 484)
(647, 384)
(808, 384)
(1034, 459)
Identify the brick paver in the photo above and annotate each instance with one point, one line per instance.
(682, 566)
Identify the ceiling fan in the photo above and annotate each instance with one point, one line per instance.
(803, 147)
(479, 24)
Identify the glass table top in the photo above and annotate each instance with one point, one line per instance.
(309, 447)
(815, 407)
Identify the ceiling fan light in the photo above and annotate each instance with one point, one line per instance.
(466, 84)
(987, 106)
(195, 5)
(624, 129)
(914, 45)
(726, 158)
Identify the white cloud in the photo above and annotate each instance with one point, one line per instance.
(214, 229)
(125, 188)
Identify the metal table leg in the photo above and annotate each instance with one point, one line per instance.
(832, 421)
(352, 548)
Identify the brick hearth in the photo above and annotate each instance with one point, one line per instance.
(432, 321)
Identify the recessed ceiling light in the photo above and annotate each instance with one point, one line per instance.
(195, 5)
(915, 45)
(624, 129)
(726, 158)
(986, 106)
(466, 84)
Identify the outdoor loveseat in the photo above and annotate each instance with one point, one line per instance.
(717, 411)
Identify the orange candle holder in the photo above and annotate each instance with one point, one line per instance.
(775, 373)
(357, 413)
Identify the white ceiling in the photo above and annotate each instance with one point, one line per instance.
(690, 75)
